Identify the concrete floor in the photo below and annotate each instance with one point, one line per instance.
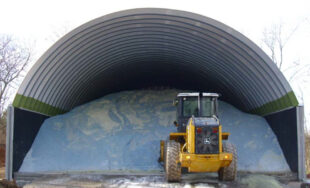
(94, 180)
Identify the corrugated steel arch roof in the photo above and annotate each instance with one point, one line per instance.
(141, 47)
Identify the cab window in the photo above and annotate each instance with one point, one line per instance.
(190, 106)
(208, 106)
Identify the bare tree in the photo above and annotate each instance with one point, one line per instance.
(275, 41)
(300, 71)
(14, 58)
(3, 128)
(59, 31)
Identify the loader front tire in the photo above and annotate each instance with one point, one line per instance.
(172, 166)
(229, 173)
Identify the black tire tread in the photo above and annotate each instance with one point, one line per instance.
(172, 168)
(229, 173)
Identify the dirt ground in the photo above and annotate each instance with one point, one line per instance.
(2, 170)
(2, 155)
(4, 183)
(2, 161)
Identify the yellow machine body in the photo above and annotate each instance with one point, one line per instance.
(198, 162)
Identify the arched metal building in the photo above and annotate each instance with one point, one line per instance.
(140, 48)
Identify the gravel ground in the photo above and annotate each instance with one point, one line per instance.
(157, 180)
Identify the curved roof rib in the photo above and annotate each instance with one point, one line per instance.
(138, 48)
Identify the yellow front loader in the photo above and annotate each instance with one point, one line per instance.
(198, 145)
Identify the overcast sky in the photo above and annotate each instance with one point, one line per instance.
(39, 20)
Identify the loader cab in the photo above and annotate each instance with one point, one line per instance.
(195, 104)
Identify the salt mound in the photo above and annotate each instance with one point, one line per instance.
(121, 131)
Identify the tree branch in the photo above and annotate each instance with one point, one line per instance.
(14, 59)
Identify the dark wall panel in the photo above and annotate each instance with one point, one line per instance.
(26, 127)
(284, 125)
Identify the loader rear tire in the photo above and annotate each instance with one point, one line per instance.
(229, 173)
(172, 168)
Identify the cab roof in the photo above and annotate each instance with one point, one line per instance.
(196, 94)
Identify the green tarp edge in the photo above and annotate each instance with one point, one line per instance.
(288, 100)
(32, 104)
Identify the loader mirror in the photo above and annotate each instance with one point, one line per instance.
(176, 123)
(175, 102)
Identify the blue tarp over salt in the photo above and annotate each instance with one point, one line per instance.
(121, 131)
